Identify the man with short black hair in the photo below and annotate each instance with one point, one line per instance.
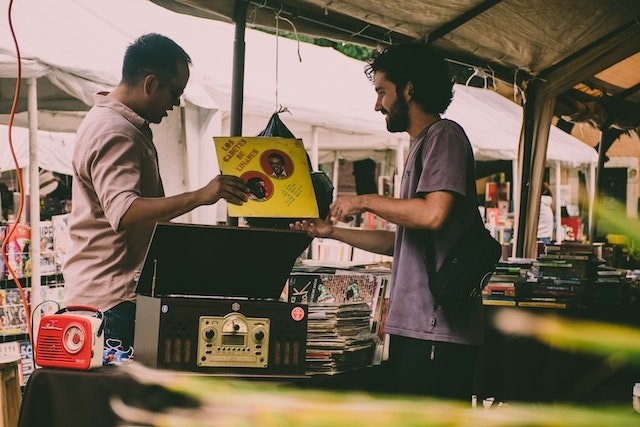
(117, 190)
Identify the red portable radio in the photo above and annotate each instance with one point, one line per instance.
(73, 341)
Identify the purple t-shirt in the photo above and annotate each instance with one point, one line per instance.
(447, 165)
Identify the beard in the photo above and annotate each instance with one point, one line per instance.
(398, 116)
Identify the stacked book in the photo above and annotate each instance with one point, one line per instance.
(559, 277)
(507, 277)
(611, 288)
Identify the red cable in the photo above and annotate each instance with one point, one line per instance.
(12, 229)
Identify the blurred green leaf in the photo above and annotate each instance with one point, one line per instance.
(234, 403)
(620, 342)
(614, 215)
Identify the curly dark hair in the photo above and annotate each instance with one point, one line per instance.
(152, 53)
(419, 64)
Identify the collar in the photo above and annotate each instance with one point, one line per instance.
(102, 100)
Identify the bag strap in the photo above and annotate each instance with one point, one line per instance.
(429, 253)
(429, 250)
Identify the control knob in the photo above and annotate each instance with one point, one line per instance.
(209, 334)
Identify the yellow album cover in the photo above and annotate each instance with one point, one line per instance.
(276, 171)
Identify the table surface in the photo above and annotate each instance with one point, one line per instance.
(59, 397)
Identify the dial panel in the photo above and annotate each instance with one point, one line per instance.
(233, 340)
(73, 338)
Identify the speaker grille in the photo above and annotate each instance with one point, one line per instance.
(50, 348)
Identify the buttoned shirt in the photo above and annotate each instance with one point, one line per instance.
(114, 163)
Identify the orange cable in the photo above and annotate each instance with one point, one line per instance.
(12, 229)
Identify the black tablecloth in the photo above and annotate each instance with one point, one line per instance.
(58, 397)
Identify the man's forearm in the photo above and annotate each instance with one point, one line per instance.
(426, 213)
(378, 241)
(150, 210)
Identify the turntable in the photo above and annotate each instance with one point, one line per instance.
(208, 301)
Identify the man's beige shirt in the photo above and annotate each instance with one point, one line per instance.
(114, 163)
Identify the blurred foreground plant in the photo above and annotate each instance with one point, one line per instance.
(614, 215)
(234, 403)
(619, 342)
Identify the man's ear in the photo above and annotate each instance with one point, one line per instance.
(148, 83)
(408, 90)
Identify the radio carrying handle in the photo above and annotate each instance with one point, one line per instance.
(97, 312)
(78, 308)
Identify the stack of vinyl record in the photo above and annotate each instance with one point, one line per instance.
(339, 338)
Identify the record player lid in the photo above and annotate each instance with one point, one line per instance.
(187, 259)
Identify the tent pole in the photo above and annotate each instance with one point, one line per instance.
(314, 147)
(592, 195)
(559, 229)
(34, 192)
(237, 83)
(532, 151)
(607, 137)
(314, 165)
(334, 177)
(516, 202)
(524, 169)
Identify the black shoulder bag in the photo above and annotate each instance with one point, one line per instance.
(466, 270)
(468, 266)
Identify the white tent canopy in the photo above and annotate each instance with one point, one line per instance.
(482, 113)
(54, 149)
(70, 62)
(72, 49)
(493, 122)
(330, 99)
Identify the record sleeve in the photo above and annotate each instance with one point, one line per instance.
(277, 173)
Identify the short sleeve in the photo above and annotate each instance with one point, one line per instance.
(114, 170)
(445, 157)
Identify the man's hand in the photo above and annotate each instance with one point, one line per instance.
(344, 208)
(230, 188)
(314, 227)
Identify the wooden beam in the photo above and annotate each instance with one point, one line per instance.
(587, 62)
(460, 20)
